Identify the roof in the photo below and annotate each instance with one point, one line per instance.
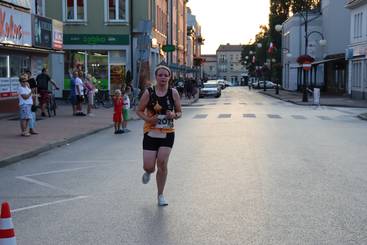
(355, 3)
(229, 48)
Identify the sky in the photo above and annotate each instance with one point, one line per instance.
(229, 21)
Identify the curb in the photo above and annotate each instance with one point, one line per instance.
(321, 104)
(35, 152)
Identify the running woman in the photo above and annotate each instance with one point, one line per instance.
(158, 107)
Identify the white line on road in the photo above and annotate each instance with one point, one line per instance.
(48, 204)
(59, 171)
(107, 161)
(37, 182)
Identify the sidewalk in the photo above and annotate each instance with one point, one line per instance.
(54, 131)
(325, 100)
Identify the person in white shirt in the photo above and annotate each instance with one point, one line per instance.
(79, 92)
(25, 104)
(126, 108)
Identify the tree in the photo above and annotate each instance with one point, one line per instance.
(302, 5)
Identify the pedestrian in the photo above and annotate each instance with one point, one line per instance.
(25, 104)
(72, 95)
(126, 109)
(79, 93)
(118, 105)
(90, 90)
(33, 86)
(158, 107)
(43, 81)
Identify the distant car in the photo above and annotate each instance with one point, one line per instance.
(227, 83)
(260, 84)
(222, 83)
(210, 89)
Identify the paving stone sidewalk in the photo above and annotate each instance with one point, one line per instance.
(53, 132)
(325, 100)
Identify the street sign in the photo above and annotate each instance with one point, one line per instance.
(169, 48)
(306, 66)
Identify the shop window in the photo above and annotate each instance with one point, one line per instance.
(3, 66)
(75, 10)
(116, 10)
(18, 65)
(98, 67)
(73, 60)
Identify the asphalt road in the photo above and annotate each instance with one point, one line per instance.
(245, 169)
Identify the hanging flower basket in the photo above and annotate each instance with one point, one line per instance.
(305, 59)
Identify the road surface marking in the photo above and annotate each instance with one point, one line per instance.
(224, 116)
(37, 182)
(48, 204)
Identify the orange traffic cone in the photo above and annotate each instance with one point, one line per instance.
(7, 234)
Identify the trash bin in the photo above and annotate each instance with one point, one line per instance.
(316, 96)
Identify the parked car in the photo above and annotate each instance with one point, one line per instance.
(210, 89)
(260, 84)
(222, 83)
(227, 83)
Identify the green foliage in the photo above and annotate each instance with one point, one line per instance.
(302, 5)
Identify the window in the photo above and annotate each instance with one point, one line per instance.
(117, 10)
(19, 64)
(39, 7)
(3, 66)
(358, 19)
(75, 10)
(356, 74)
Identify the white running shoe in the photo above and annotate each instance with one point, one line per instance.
(162, 201)
(146, 178)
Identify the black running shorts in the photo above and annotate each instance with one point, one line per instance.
(153, 144)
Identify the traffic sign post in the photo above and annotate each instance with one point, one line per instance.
(306, 66)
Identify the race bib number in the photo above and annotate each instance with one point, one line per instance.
(164, 122)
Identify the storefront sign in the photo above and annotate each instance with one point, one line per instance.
(21, 3)
(57, 34)
(9, 87)
(88, 39)
(42, 32)
(15, 27)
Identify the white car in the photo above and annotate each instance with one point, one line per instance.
(211, 89)
(260, 84)
(222, 83)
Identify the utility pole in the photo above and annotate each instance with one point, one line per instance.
(305, 95)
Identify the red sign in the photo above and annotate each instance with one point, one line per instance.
(306, 66)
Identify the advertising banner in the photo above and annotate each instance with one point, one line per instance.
(5, 87)
(21, 3)
(42, 32)
(9, 87)
(57, 34)
(15, 27)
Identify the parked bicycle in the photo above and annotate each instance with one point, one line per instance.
(51, 105)
(102, 99)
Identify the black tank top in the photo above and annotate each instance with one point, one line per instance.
(160, 105)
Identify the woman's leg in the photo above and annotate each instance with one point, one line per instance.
(162, 161)
(149, 159)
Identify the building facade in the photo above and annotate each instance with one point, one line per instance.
(357, 50)
(28, 41)
(293, 46)
(209, 67)
(97, 44)
(194, 42)
(229, 66)
(337, 36)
